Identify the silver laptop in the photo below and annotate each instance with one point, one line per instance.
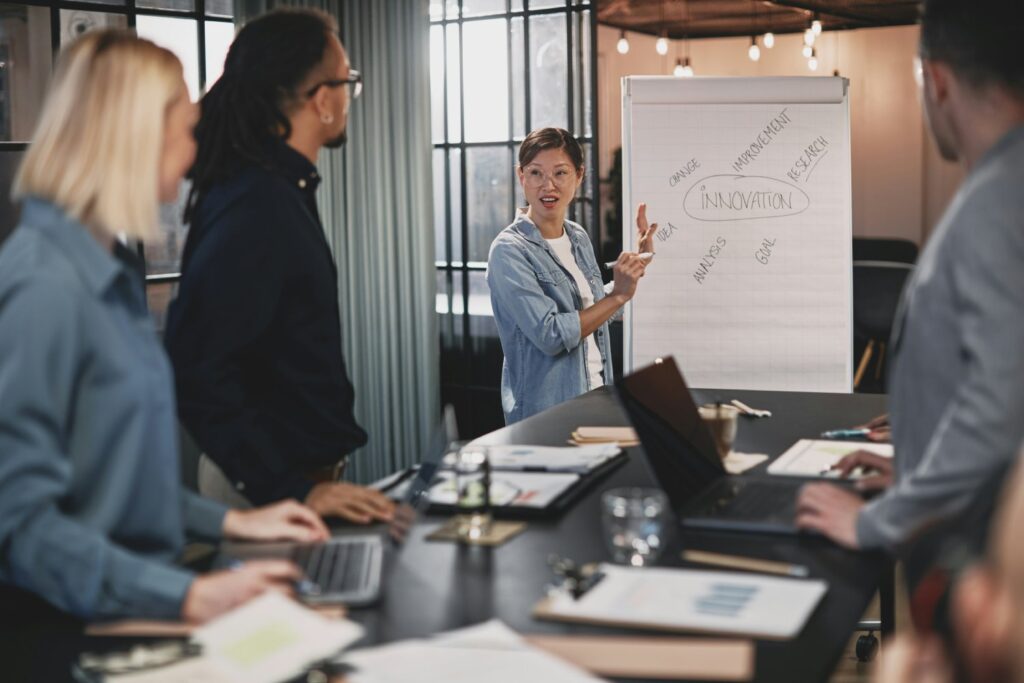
(350, 567)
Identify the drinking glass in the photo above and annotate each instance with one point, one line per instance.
(472, 491)
(633, 520)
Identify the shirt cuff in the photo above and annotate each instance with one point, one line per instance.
(570, 330)
(161, 590)
(869, 535)
(203, 517)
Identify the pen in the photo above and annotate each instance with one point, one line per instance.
(748, 563)
(646, 256)
(845, 433)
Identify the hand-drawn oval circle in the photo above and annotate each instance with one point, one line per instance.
(730, 197)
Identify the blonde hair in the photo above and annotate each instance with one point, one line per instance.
(97, 149)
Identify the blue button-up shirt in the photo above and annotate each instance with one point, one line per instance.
(92, 512)
(537, 309)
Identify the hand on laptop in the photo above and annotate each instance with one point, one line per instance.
(831, 511)
(213, 594)
(288, 520)
(354, 503)
(878, 470)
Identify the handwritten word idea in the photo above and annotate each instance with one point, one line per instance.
(737, 198)
(708, 260)
(765, 251)
(680, 175)
(763, 139)
(809, 159)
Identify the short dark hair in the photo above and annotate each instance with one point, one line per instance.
(269, 61)
(550, 138)
(977, 38)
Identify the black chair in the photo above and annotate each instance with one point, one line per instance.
(877, 287)
(884, 249)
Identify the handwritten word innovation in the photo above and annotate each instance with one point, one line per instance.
(708, 260)
(737, 198)
(808, 159)
(763, 139)
(680, 175)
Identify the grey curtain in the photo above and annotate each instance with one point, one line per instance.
(377, 209)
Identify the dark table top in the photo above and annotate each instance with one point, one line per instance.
(440, 586)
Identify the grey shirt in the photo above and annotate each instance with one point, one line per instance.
(92, 512)
(957, 378)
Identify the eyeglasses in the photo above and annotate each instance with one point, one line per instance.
(562, 177)
(354, 80)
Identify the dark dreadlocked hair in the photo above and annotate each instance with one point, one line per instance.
(271, 57)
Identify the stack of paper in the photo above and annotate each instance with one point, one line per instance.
(580, 459)
(489, 652)
(623, 436)
(815, 457)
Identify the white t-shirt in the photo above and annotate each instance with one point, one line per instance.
(562, 247)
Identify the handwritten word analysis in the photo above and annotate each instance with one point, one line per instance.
(809, 158)
(680, 175)
(764, 252)
(708, 260)
(763, 139)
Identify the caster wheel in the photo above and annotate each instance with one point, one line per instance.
(867, 647)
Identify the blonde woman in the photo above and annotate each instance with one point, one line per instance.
(92, 513)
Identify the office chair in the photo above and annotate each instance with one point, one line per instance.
(877, 287)
(884, 249)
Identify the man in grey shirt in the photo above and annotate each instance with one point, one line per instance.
(957, 380)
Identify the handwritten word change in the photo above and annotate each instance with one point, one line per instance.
(708, 260)
(809, 158)
(763, 139)
(680, 175)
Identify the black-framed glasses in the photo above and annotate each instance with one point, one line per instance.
(355, 80)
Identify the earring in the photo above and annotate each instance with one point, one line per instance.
(327, 119)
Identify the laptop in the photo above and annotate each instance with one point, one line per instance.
(681, 453)
(349, 568)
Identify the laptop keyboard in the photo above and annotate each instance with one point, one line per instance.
(336, 567)
(757, 501)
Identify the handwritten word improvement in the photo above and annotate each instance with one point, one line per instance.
(810, 157)
(737, 198)
(708, 260)
(680, 175)
(765, 251)
(763, 139)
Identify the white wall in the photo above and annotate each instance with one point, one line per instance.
(900, 185)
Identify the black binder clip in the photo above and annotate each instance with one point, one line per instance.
(573, 580)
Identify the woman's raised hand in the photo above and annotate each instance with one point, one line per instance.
(645, 232)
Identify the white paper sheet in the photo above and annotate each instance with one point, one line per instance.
(579, 459)
(815, 457)
(720, 602)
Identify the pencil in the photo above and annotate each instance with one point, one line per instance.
(748, 563)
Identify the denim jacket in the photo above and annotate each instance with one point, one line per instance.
(536, 307)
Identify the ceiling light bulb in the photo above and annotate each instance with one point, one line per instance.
(812, 63)
(816, 27)
(678, 71)
(807, 51)
(662, 46)
(623, 45)
(687, 69)
(769, 40)
(809, 37)
(754, 52)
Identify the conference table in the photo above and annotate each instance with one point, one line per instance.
(437, 586)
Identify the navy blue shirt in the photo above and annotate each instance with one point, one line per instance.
(92, 512)
(255, 335)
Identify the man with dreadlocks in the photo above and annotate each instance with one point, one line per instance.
(255, 333)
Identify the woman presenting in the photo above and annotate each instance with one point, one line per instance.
(550, 305)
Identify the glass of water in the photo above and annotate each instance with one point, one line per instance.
(633, 520)
(473, 492)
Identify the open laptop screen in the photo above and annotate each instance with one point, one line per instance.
(678, 445)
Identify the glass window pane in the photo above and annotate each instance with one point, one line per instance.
(479, 294)
(518, 79)
(75, 22)
(220, 8)
(25, 63)
(219, 36)
(9, 212)
(159, 297)
(440, 225)
(451, 9)
(181, 5)
(544, 4)
(181, 37)
(454, 108)
(437, 83)
(486, 80)
(549, 75)
(436, 10)
(455, 199)
(164, 256)
(517, 5)
(582, 64)
(489, 184)
(476, 8)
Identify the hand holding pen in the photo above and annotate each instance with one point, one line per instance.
(876, 429)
